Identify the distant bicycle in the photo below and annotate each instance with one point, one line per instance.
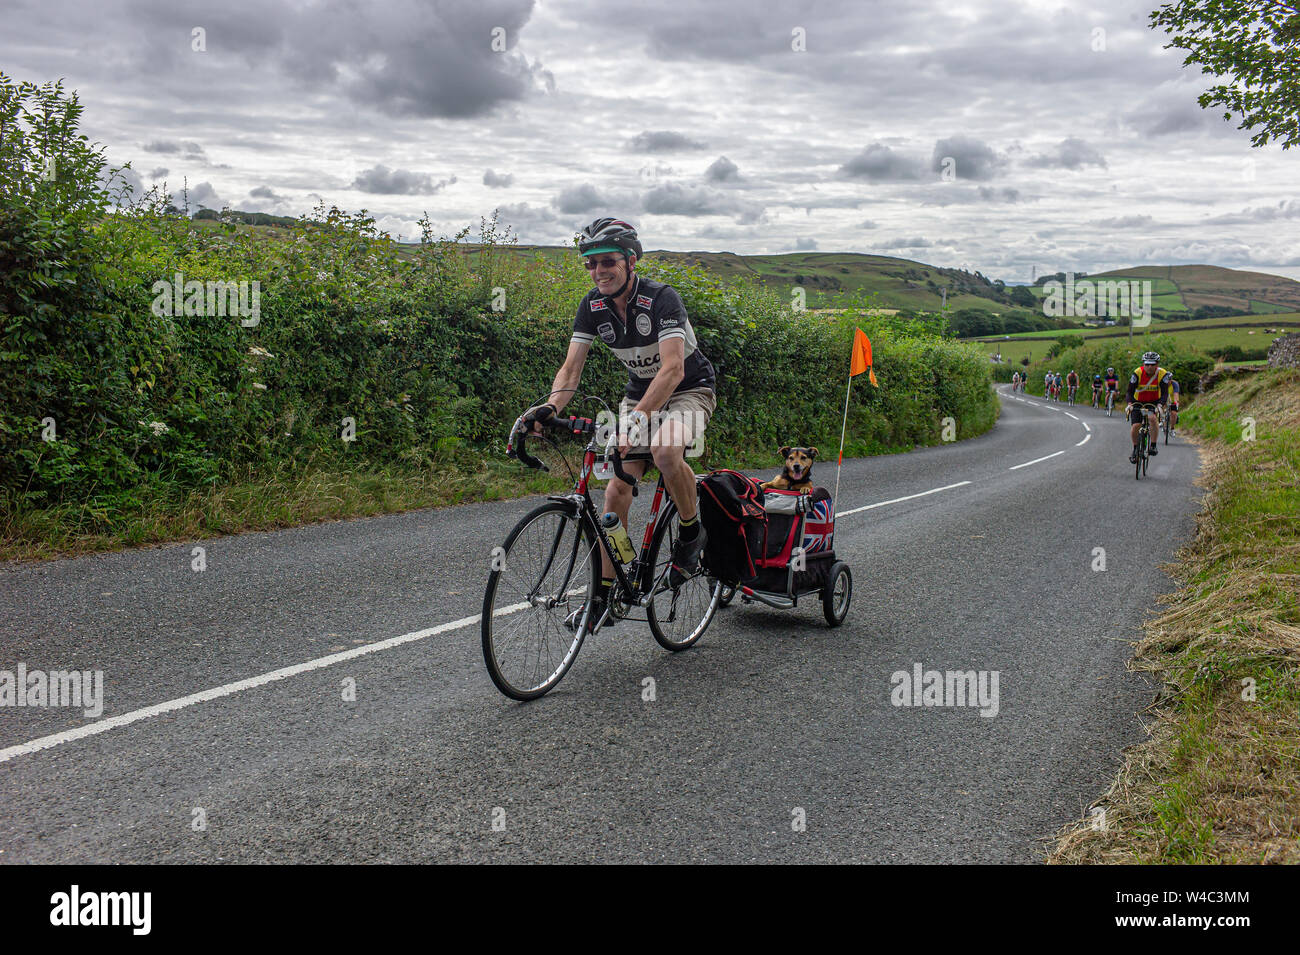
(1110, 403)
(1073, 391)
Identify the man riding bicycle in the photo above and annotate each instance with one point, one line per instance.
(1096, 389)
(670, 391)
(1112, 382)
(1072, 382)
(1149, 384)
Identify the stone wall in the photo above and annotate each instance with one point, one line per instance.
(1285, 352)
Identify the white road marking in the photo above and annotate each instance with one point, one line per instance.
(1085, 440)
(897, 500)
(1068, 415)
(1085, 426)
(103, 726)
(1016, 467)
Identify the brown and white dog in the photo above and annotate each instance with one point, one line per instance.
(796, 475)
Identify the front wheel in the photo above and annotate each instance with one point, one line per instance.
(837, 593)
(539, 579)
(677, 618)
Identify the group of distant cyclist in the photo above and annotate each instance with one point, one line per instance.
(1153, 392)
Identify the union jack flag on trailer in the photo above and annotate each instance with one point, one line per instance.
(819, 527)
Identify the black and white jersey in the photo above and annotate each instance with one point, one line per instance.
(655, 313)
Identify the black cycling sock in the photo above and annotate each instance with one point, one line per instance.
(690, 528)
(605, 583)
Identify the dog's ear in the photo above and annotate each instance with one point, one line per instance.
(785, 452)
(812, 452)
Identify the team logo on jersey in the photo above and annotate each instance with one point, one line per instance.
(597, 304)
(606, 332)
(643, 323)
(644, 301)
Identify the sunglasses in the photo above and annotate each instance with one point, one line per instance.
(603, 263)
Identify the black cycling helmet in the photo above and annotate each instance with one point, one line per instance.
(609, 235)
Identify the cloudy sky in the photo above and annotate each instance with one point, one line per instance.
(999, 135)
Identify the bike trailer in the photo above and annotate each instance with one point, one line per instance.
(800, 531)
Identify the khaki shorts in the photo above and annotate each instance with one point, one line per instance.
(692, 408)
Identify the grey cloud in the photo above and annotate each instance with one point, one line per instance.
(1286, 209)
(868, 224)
(914, 243)
(971, 158)
(1070, 153)
(497, 180)
(879, 163)
(172, 148)
(204, 196)
(263, 192)
(722, 170)
(805, 245)
(674, 199)
(159, 172)
(1005, 194)
(579, 199)
(1124, 222)
(404, 58)
(398, 182)
(662, 141)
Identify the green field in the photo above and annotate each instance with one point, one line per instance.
(1207, 335)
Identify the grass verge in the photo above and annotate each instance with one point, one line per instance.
(1218, 779)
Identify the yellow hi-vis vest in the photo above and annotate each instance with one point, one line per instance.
(1148, 389)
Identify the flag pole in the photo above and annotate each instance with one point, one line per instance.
(835, 504)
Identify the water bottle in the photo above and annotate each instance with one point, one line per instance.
(618, 537)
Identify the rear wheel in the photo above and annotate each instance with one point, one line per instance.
(837, 593)
(726, 595)
(1141, 456)
(542, 575)
(677, 618)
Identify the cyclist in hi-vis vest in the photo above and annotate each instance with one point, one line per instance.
(1149, 384)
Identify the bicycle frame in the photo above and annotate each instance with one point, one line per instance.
(633, 582)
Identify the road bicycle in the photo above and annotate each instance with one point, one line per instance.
(535, 609)
(1144, 439)
(1073, 390)
(1167, 424)
(1110, 403)
(1096, 398)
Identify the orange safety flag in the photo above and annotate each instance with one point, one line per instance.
(861, 360)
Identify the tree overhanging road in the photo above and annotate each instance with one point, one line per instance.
(965, 557)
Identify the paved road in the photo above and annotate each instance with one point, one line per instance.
(771, 719)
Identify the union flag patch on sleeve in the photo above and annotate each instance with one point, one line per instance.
(645, 301)
(597, 304)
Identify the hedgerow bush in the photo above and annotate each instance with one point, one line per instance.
(1186, 363)
(419, 354)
